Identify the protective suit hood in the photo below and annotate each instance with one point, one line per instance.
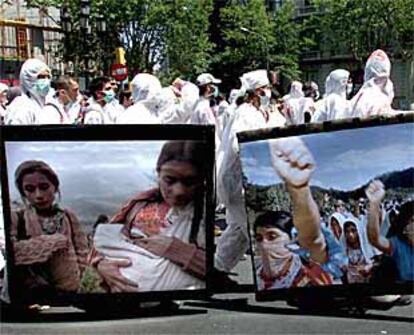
(28, 76)
(296, 90)
(336, 82)
(378, 65)
(145, 87)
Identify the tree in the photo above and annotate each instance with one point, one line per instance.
(359, 27)
(186, 48)
(243, 51)
(274, 38)
(170, 35)
(290, 40)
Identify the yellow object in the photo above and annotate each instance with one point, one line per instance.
(120, 56)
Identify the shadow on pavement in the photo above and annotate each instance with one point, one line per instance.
(74, 315)
(242, 305)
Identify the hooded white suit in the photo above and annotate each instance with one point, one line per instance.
(234, 241)
(293, 104)
(334, 105)
(376, 95)
(145, 88)
(27, 108)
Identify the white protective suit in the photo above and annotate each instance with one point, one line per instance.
(234, 241)
(334, 105)
(377, 93)
(3, 90)
(175, 107)
(145, 87)
(27, 108)
(113, 110)
(95, 113)
(54, 113)
(203, 113)
(293, 104)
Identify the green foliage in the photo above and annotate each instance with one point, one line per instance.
(187, 37)
(187, 46)
(275, 38)
(363, 26)
(172, 34)
(90, 282)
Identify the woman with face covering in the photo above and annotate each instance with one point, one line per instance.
(400, 243)
(49, 245)
(355, 243)
(35, 84)
(320, 259)
(277, 265)
(158, 236)
(377, 93)
(334, 105)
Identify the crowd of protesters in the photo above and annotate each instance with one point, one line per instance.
(252, 105)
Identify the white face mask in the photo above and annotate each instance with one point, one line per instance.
(265, 99)
(349, 88)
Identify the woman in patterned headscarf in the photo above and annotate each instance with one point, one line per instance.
(49, 246)
(156, 237)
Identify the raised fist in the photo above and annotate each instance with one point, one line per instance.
(375, 191)
(292, 161)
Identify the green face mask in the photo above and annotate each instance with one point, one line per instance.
(109, 96)
(42, 86)
(216, 92)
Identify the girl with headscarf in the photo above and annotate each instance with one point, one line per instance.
(35, 83)
(334, 105)
(49, 245)
(336, 225)
(377, 93)
(400, 243)
(355, 243)
(158, 236)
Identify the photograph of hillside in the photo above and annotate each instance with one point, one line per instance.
(95, 177)
(346, 161)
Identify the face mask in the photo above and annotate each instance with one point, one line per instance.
(216, 92)
(265, 99)
(109, 96)
(42, 86)
(349, 88)
(276, 249)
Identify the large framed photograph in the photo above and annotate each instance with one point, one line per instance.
(331, 207)
(103, 212)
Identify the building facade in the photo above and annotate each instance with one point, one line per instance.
(317, 63)
(27, 33)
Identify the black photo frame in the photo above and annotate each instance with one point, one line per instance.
(76, 139)
(393, 135)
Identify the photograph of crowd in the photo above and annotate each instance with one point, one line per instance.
(107, 217)
(331, 208)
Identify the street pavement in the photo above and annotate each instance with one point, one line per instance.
(224, 314)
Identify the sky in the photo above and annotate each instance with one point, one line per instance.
(95, 177)
(345, 159)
